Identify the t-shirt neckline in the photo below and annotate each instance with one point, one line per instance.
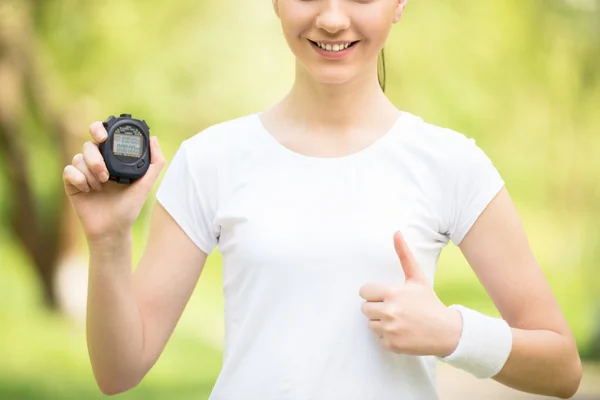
(381, 141)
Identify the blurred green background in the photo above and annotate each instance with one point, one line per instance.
(521, 77)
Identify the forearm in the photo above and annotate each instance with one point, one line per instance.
(114, 325)
(542, 362)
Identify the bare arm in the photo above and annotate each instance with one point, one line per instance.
(131, 316)
(544, 357)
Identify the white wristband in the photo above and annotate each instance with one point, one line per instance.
(484, 346)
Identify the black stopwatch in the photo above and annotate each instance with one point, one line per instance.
(126, 150)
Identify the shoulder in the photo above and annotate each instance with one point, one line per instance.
(437, 138)
(441, 145)
(208, 150)
(222, 137)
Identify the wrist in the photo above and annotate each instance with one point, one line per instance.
(484, 346)
(109, 244)
(451, 332)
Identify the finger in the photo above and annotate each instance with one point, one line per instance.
(74, 180)
(412, 270)
(376, 327)
(98, 132)
(156, 155)
(157, 163)
(79, 163)
(95, 162)
(374, 291)
(373, 310)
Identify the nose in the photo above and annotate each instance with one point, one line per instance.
(332, 18)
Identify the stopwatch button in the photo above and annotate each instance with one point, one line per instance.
(108, 121)
(140, 164)
(125, 115)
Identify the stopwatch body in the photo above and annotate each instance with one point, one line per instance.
(126, 151)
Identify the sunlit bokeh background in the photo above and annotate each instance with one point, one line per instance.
(522, 77)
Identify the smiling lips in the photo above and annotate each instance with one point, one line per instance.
(333, 50)
(333, 46)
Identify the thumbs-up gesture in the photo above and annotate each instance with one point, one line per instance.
(410, 318)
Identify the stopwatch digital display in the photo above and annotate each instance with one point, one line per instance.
(128, 141)
(126, 151)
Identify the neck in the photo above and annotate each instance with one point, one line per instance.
(336, 107)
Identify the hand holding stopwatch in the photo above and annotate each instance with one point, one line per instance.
(126, 150)
(120, 151)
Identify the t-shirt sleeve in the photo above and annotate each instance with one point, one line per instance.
(471, 182)
(187, 193)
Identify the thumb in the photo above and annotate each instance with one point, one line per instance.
(412, 270)
(157, 163)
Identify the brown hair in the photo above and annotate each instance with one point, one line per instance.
(381, 70)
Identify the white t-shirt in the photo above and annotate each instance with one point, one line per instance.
(300, 235)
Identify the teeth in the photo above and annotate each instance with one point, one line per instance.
(335, 47)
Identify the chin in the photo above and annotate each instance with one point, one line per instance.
(332, 81)
(335, 76)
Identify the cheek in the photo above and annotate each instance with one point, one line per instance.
(375, 22)
(294, 31)
(375, 26)
(294, 19)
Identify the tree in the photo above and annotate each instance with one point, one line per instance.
(44, 227)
